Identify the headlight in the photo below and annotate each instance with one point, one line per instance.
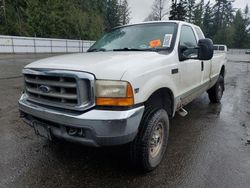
(114, 93)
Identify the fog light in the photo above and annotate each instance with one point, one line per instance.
(76, 132)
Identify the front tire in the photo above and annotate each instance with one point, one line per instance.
(216, 92)
(148, 148)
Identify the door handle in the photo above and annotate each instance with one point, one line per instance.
(202, 66)
(175, 71)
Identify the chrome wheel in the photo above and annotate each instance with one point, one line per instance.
(156, 140)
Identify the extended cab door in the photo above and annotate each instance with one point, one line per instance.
(205, 65)
(190, 69)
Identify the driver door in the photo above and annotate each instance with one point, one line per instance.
(190, 69)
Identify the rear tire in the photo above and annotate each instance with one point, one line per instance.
(216, 92)
(149, 146)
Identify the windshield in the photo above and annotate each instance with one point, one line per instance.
(144, 37)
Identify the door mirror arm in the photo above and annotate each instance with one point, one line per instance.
(181, 51)
(182, 56)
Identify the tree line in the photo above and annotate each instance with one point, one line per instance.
(89, 19)
(219, 21)
(75, 19)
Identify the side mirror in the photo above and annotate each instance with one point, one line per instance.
(206, 49)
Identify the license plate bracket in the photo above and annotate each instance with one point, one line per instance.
(42, 129)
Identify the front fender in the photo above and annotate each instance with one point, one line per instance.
(153, 84)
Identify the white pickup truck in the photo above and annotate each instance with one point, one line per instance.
(125, 89)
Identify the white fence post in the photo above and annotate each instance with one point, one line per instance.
(79, 47)
(66, 46)
(82, 46)
(34, 42)
(51, 46)
(12, 44)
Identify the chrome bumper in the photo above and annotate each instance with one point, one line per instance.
(101, 127)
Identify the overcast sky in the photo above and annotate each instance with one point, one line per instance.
(141, 8)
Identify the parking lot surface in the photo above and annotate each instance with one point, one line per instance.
(208, 148)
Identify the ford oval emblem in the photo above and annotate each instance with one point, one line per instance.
(44, 89)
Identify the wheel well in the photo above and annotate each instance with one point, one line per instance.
(222, 71)
(162, 98)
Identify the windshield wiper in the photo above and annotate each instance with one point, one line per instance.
(127, 49)
(161, 49)
(97, 50)
(131, 49)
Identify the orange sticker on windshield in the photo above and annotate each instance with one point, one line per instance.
(155, 43)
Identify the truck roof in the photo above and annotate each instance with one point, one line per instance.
(163, 21)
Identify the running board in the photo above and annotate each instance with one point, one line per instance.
(182, 112)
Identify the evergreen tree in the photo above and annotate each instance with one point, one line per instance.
(178, 10)
(222, 20)
(217, 22)
(12, 17)
(182, 10)
(246, 13)
(173, 11)
(77, 19)
(124, 12)
(247, 18)
(198, 14)
(112, 15)
(190, 10)
(240, 31)
(88, 19)
(207, 22)
(223, 13)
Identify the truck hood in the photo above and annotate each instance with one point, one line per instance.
(104, 65)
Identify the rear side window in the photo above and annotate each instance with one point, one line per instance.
(222, 48)
(187, 37)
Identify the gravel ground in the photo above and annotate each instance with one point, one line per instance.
(208, 148)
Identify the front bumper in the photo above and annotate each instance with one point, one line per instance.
(100, 127)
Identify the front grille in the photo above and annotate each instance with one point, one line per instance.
(64, 89)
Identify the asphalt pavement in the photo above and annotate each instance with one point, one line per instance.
(208, 148)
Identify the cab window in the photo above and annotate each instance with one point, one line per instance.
(188, 40)
(199, 33)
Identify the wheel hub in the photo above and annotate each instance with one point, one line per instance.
(156, 140)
